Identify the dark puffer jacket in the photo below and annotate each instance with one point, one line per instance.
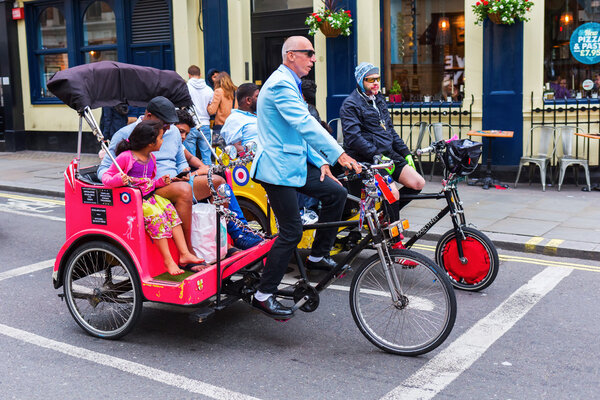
(364, 137)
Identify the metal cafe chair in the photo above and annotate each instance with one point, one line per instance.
(339, 134)
(438, 134)
(567, 133)
(423, 128)
(545, 148)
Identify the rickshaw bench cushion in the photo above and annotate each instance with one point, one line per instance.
(89, 175)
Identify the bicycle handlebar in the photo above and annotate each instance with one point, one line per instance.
(435, 146)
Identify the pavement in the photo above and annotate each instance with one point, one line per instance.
(565, 223)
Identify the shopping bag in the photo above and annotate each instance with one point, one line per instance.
(204, 232)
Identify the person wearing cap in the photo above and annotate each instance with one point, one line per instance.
(294, 155)
(171, 159)
(369, 133)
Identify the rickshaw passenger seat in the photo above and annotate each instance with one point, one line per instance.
(89, 175)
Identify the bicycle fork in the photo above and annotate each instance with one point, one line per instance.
(386, 261)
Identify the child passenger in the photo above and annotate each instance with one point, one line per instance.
(134, 156)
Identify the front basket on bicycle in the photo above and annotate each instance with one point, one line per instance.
(462, 156)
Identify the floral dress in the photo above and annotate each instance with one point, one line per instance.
(160, 216)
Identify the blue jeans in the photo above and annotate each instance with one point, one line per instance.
(194, 143)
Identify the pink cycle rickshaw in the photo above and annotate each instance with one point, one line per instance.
(108, 266)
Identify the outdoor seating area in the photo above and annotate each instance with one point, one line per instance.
(561, 149)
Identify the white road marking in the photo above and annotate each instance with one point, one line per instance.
(4, 208)
(167, 378)
(445, 367)
(26, 269)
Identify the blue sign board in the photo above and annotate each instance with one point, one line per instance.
(585, 43)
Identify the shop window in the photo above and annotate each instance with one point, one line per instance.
(51, 49)
(571, 49)
(427, 41)
(63, 33)
(99, 33)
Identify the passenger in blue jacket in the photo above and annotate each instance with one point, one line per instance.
(368, 132)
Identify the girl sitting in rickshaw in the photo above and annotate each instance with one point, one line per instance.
(134, 156)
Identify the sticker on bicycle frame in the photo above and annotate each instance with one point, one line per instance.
(125, 198)
(241, 175)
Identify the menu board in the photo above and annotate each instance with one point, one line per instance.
(585, 43)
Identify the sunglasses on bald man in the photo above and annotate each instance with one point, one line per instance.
(309, 53)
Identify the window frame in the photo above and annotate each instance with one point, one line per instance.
(34, 50)
(100, 47)
(73, 12)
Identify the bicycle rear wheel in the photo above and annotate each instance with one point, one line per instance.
(102, 290)
(482, 259)
(424, 314)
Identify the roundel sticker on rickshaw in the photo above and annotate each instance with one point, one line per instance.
(125, 198)
(241, 175)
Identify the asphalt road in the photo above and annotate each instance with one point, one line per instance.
(533, 334)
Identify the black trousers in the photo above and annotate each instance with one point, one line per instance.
(284, 203)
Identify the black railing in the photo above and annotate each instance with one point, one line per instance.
(580, 113)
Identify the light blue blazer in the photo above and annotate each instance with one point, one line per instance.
(288, 135)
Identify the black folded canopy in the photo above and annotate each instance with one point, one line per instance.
(108, 83)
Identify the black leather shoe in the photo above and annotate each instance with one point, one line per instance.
(326, 264)
(272, 308)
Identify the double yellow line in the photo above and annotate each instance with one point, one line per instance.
(528, 260)
(418, 246)
(34, 199)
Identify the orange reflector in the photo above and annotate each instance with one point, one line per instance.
(394, 231)
(405, 224)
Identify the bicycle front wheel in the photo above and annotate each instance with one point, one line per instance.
(422, 317)
(482, 263)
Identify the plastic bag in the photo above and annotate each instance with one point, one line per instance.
(204, 232)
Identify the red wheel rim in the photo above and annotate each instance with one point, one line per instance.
(478, 261)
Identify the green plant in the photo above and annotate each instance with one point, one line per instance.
(396, 88)
(338, 18)
(507, 11)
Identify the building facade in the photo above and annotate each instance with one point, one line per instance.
(445, 67)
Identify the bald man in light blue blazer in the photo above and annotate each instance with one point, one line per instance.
(294, 155)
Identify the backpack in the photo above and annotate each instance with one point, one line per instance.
(462, 156)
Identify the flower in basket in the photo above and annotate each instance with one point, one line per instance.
(331, 17)
(501, 11)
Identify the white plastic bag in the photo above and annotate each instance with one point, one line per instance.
(204, 232)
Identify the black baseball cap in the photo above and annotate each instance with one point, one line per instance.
(162, 108)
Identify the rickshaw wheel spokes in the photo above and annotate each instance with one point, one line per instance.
(102, 290)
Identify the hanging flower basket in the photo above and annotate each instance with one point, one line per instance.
(495, 18)
(330, 20)
(504, 12)
(328, 30)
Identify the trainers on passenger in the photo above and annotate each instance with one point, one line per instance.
(246, 239)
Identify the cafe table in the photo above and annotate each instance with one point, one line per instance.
(489, 180)
(594, 186)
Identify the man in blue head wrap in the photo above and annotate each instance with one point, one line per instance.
(369, 133)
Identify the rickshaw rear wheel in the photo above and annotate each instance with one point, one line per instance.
(102, 290)
(254, 215)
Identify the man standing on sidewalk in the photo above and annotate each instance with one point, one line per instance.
(294, 155)
(201, 96)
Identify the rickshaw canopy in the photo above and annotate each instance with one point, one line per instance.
(108, 83)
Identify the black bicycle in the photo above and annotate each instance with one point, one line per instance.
(400, 300)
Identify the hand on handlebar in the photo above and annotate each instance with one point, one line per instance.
(350, 163)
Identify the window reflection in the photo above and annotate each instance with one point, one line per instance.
(100, 55)
(99, 26)
(52, 29)
(427, 49)
(49, 65)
